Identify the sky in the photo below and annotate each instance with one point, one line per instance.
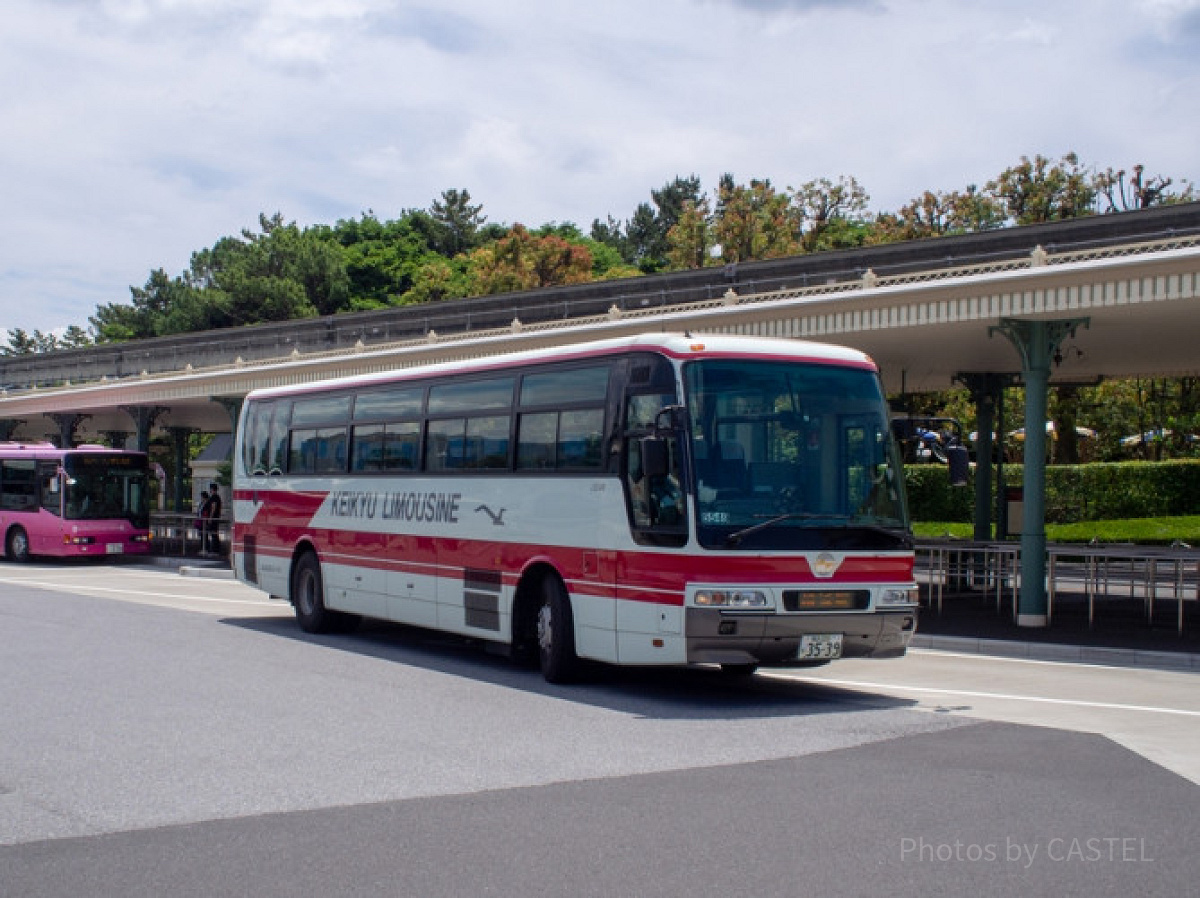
(136, 132)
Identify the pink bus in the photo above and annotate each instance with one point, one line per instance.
(90, 500)
(653, 500)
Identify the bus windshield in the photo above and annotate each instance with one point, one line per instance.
(792, 455)
(103, 486)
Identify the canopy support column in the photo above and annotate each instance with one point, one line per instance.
(1036, 341)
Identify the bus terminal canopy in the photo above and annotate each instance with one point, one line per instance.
(1110, 315)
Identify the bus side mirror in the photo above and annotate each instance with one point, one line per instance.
(959, 461)
(656, 460)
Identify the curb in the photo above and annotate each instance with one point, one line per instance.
(193, 567)
(212, 573)
(1049, 651)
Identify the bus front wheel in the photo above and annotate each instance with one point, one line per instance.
(556, 633)
(18, 545)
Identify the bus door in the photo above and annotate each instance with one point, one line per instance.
(651, 596)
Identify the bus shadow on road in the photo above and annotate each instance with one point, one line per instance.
(679, 693)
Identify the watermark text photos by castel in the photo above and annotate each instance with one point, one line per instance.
(1057, 850)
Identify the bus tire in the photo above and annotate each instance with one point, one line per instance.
(308, 599)
(17, 547)
(556, 633)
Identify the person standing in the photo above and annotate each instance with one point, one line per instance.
(210, 512)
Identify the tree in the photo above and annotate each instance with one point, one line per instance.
(74, 337)
(20, 342)
(524, 261)
(937, 215)
(149, 312)
(691, 238)
(438, 278)
(754, 222)
(274, 275)
(644, 241)
(1118, 195)
(457, 222)
(1038, 191)
(823, 208)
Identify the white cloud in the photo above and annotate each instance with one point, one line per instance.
(139, 132)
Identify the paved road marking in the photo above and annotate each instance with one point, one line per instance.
(965, 693)
(45, 584)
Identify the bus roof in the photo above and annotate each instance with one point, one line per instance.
(672, 344)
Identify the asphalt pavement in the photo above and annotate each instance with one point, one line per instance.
(176, 736)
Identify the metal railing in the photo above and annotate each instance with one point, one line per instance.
(958, 565)
(178, 534)
(1147, 574)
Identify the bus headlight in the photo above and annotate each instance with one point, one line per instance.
(893, 597)
(732, 598)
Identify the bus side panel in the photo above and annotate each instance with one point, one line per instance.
(471, 587)
(412, 580)
(353, 580)
(272, 522)
(650, 608)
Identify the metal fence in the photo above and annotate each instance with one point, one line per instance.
(180, 534)
(1099, 573)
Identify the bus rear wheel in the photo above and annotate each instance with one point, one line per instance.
(556, 633)
(308, 598)
(17, 548)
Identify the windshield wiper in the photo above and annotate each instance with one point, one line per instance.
(839, 521)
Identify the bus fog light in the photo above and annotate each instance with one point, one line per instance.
(906, 596)
(732, 598)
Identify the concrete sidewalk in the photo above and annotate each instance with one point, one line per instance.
(1120, 633)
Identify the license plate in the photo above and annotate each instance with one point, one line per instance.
(114, 548)
(820, 647)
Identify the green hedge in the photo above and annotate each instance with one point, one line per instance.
(1094, 492)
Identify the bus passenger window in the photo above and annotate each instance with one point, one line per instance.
(18, 486)
(535, 441)
(444, 444)
(320, 451)
(487, 443)
(580, 434)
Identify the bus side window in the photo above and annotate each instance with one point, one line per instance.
(255, 443)
(18, 486)
(274, 444)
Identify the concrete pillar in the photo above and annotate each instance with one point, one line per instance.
(987, 392)
(179, 439)
(144, 417)
(68, 423)
(233, 406)
(1036, 341)
(8, 427)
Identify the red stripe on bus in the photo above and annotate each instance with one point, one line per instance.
(638, 575)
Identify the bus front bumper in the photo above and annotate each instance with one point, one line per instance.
(778, 640)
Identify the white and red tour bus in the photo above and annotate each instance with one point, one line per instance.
(89, 500)
(652, 500)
